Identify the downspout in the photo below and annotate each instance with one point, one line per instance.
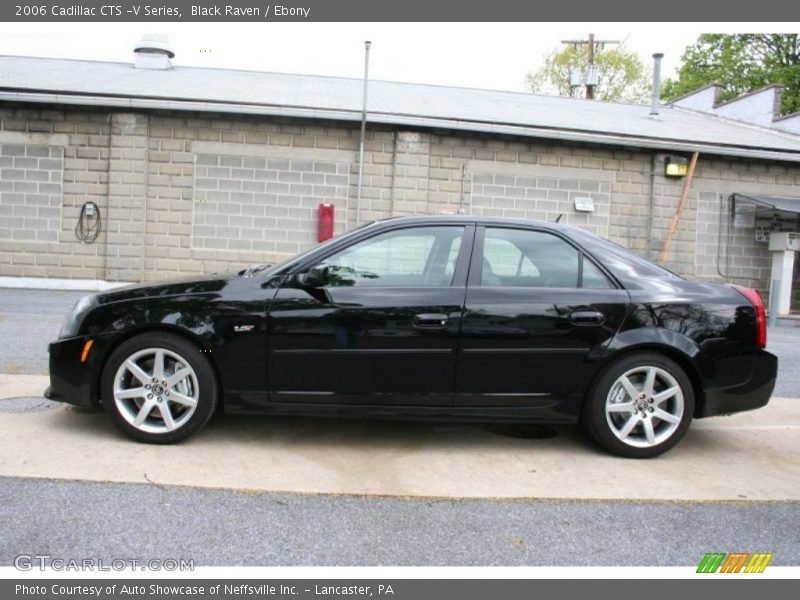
(394, 173)
(108, 193)
(651, 204)
(147, 193)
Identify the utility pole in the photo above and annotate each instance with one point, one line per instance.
(362, 140)
(591, 70)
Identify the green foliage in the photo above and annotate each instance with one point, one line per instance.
(740, 63)
(622, 75)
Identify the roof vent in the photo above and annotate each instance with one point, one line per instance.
(153, 52)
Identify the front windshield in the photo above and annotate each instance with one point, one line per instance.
(267, 270)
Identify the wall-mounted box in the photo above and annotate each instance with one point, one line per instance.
(781, 241)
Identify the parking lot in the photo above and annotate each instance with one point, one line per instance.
(265, 490)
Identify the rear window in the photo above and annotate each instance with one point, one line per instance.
(623, 263)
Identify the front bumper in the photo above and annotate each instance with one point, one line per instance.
(71, 380)
(752, 394)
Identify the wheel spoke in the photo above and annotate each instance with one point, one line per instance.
(649, 433)
(665, 416)
(665, 395)
(137, 371)
(143, 413)
(177, 377)
(623, 407)
(139, 392)
(158, 364)
(650, 382)
(166, 415)
(182, 399)
(629, 387)
(628, 427)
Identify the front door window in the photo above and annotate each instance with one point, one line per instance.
(421, 256)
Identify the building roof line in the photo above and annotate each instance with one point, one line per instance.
(356, 80)
(746, 124)
(122, 86)
(397, 119)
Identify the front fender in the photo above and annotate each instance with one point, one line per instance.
(228, 326)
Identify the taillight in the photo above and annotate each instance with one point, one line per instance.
(761, 318)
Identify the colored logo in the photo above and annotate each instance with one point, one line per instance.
(736, 562)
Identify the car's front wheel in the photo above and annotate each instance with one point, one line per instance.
(158, 388)
(640, 406)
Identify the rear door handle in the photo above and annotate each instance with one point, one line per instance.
(587, 317)
(430, 321)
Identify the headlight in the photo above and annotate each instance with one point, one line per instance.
(74, 319)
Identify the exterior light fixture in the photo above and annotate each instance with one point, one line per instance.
(676, 166)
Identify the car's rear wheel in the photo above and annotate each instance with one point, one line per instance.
(640, 406)
(158, 388)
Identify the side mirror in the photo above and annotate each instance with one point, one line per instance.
(315, 277)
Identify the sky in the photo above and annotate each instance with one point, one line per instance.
(478, 55)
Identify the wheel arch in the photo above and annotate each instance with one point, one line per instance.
(681, 358)
(187, 335)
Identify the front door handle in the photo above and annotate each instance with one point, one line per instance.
(430, 321)
(587, 317)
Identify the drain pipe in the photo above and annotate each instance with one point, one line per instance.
(651, 204)
(655, 101)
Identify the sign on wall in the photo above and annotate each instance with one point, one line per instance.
(773, 221)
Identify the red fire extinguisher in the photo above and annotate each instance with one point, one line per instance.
(325, 224)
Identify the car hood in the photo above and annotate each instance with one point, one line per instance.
(199, 284)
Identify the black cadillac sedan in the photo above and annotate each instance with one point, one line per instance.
(464, 318)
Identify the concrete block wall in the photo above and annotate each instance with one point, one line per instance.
(263, 204)
(82, 140)
(30, 192)
(192, 193)
(225, 193)
(533, 192)
(725, 251)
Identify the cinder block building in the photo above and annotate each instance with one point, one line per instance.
(200, 170)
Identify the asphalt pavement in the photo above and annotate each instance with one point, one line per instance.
(140, 521)
(29, 321)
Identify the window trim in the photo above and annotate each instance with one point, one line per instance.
(476, 266)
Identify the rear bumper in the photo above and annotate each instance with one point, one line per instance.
(71, 380)
(752, 394)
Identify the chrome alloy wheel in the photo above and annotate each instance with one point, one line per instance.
(156, 390)
(645, 406)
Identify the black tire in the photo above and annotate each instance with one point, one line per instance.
(596, 420)
(203, 386)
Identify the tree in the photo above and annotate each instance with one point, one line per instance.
(622, 75)
(740, 63)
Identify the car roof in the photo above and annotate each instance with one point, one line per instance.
(477, 219)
